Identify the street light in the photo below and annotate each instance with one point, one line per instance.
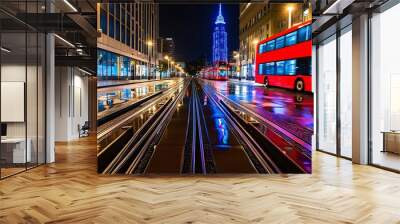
(290, 10)
(149, 44)
(172, 66)
(176, 65)
(168, 60)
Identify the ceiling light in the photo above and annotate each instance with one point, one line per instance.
(70, 5)
(5, 50)
(337, 7)
(86, 72)
(64, 40)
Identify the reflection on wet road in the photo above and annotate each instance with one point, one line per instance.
(229, 155)
(110, 99)
(290, 110)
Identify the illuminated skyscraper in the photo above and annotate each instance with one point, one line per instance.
(220, 45)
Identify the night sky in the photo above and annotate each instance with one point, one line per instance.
(191, 27)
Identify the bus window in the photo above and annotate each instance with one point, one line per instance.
(270, 45)
(280, 42)
(266, 68)
(270, 68)
(222, 73)
(304, 33)
(304, 66)
(262, 49)
(291, 38)
(280, 67)
(261, 68)
(290, 67)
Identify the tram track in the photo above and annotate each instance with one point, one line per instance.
(197, 153)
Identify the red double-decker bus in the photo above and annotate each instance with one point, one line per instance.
(284, 60)
(216, 72)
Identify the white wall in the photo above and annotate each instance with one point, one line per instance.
(14, 73)
(71, 102)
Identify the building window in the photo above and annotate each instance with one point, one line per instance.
(117, 11)
(125, 66)
(112, 8)
(101, 63)
(118, 30)
(113, 64)
(103, 21)
(112, 33)
(123, 37)
(128, 29)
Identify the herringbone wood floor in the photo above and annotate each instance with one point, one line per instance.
(70, 191)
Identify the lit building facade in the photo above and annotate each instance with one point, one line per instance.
(128, 40)
(258, 21)
(220, 42)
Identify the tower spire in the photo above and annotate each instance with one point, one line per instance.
(220, 18)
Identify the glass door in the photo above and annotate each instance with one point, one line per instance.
(14, 144)
(385, 90)
(346, 95)
(22, 69)
(326, 102)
